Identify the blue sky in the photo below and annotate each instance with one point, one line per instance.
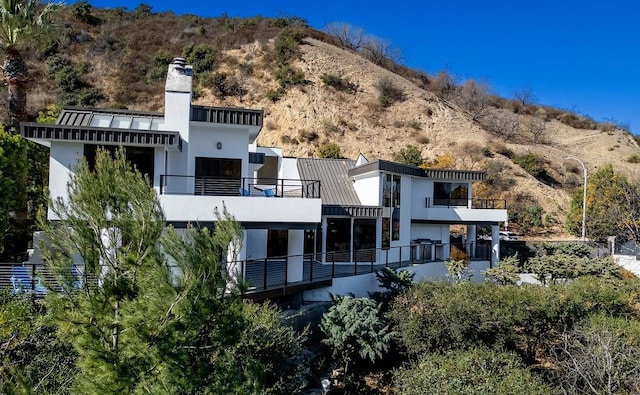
(582, 56)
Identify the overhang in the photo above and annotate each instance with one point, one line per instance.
(103, 136)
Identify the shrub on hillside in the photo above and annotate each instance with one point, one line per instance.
(438, 316)
(531, 163)
(201, 56)
(388, 92)
(354, 331)
(288, 76)
(475, 371)
(329, 151)
(338, 83)
(409, 155)
(286, 45)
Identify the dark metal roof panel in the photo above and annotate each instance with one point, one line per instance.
(436, 174)
(337, 188)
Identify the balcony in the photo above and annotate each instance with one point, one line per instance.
(218, 186)
(191, 198)
(461, 210)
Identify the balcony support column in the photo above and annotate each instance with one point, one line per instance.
(471, 241)
(295, 262)
(495, 245)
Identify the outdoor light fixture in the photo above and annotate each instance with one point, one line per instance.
(326, 385)
(584, 197)
(219, 145)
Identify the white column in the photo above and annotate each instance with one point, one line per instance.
(295, 264)
(471, 240)
(495, 245)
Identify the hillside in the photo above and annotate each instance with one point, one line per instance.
(121, 55)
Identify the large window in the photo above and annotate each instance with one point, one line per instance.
(391, 191)
(217, 176)
(391, 198)
(450, 194)
(141, 158)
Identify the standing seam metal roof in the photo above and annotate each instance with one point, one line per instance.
(335, 185)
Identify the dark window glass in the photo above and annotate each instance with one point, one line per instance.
(386, 191)
(277, 243)
(459, 194)
(396, 191)
(386, 233)
(218, 167)
(141, 158)
(450, 194)
(441, 193)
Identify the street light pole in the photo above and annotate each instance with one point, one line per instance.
(584, 197)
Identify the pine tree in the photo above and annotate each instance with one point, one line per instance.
(153, 310)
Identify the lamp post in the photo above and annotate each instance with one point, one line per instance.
(584, 197)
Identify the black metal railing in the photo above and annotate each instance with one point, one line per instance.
(491, 204)
(171, 184)
(274, 272)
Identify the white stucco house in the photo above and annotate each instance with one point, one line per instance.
(309, 225)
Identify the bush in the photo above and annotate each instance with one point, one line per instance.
(635, 158)
(82, 12)
(531, 163)
(475, 371)
(409, 155)
(388, 92)
(580, 250)
(354, 331)
(288, 76)
(527, 217)
(438, 316)
(201, 56)
(599, 357)
(338, 83)
(329, 151)
(161, 61)
(286, 45)
(307, 135)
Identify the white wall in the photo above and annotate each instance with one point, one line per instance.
(367, 187)
(244, 209)
(289, 168)
(422, 189)
(206, 136)
(62, 163)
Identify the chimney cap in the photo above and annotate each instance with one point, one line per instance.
(180, 61)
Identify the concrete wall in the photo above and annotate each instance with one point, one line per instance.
(362, 285)
(368, 189)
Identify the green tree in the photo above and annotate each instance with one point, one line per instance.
(13, 169)
(30, 355)
(151, 310)
(21, 22)
(612, 207)
(410, 155)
